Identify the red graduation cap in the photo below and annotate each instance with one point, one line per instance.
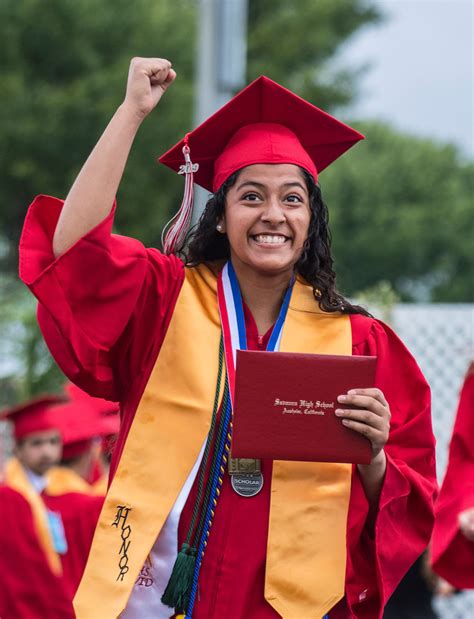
(83, 418)
(264, 123)
(79, 424)
(37, 415)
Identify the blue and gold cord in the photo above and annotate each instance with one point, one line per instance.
(223, 450)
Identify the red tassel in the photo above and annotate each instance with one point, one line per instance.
(175, 232)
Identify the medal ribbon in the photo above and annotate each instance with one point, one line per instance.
(231, 310)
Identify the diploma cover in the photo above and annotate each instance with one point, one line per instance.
(285, 403)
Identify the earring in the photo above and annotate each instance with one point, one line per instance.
(219, 227)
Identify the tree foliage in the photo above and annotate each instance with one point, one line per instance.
(65, 66)
(401, 211)
(294, 43)
(65, 70)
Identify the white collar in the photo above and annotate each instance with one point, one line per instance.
(39, 482)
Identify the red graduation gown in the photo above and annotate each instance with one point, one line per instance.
(79, 514)
(28, 587)
(104, 307)
(452, 552)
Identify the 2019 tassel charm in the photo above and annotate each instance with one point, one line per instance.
(175, 232)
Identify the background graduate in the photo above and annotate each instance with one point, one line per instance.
(452, 546)
(31, 537)
(134, 325)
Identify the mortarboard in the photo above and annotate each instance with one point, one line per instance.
(79, 424)
(37, 415)
(264, 123)
(84, 418)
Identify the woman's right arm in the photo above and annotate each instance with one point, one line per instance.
(91, 197)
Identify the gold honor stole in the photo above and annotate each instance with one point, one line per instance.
(306, 552)
(16, 478)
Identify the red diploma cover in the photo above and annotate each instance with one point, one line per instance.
(285, 402)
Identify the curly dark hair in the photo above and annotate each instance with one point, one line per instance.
(315, 265)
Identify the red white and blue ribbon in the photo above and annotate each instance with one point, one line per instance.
(231, 311)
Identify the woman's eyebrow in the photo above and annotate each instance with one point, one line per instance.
(262, 185)
(294, 184)
(254, 183)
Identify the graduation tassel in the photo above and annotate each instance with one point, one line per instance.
(175, 232)
(177, 591)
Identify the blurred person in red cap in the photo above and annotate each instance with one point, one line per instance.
(109, 431)
(452, 544)
(81, 431)
(67, 491)
(32, 536)
(95, 469)
(158, 332)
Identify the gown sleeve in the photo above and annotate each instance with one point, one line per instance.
(451, 552)
(103, 304)
(376, 563)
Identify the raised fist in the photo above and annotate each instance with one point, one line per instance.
(148, 79)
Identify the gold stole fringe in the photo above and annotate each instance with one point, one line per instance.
(308, 515)
(16, 478)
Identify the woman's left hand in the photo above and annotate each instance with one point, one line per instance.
(371, 418)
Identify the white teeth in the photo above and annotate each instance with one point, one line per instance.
(273, 239)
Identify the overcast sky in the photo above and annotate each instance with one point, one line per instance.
(421, 75)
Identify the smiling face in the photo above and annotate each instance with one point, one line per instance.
(266, 218)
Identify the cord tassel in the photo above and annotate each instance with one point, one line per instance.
(178, 589)
(175, 232)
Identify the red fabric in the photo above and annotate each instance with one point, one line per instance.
(104, 408)
(297, 132)
(452, 552)
(79, 423)
(28, 588)
(76, 449)
(37, 415)
(106, 336)
(79, 514)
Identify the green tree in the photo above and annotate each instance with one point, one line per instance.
(65, 65)
(64, 73)
(294, 43)
(27, 368)
(401, 211)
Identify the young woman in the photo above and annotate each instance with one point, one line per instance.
(152, 331)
